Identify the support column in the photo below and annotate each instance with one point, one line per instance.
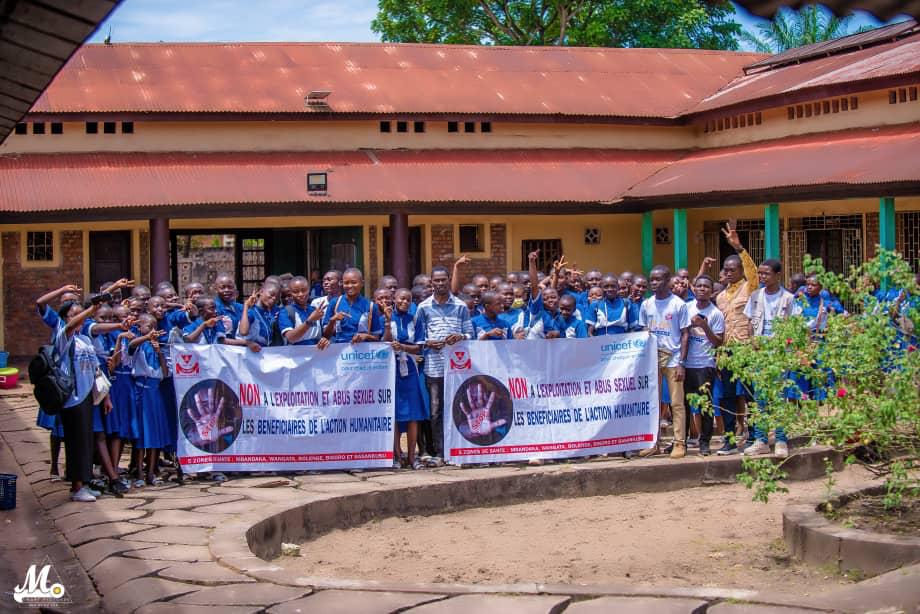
(648, 243)
(399, 247)
(680, 239)
(886, 223)
(159, 250)
(771, 231)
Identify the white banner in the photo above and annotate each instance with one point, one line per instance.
(286, 408)
(517, 400)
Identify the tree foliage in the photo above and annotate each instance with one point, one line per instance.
(590, 23)
(791, 28)
(867, 365)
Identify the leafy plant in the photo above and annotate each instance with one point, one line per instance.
(588, 23)
(866, 365)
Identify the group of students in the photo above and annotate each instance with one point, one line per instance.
(128, 339)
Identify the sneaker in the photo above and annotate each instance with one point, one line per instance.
(693, 442)
(397, 465)
(781, 449)
(139, 483)
(418, 465)
(125, 483)
(535, 462)
(758, 448)
(679, 451)
(55, 477)
(434, 462)
(117, 489)
(83, 496)
(704, 449)
(649, 452)
(217, 476)
(727, 449)
(92, 491)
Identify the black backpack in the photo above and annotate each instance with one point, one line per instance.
(51, 386)
(277, 337)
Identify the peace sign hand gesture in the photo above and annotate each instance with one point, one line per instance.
(731, 235)
(479, 413)
(205, 413)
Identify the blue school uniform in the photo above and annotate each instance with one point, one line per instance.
(316, 289)
(154, 425)
(260, 326)
(51, 423)
(293, 316)
(103, 344)
(210, 336)
(410, 405)
(571, 327)
(511, 316)
(612, 317)
(482, 324)
(535, 320)
(356, 322)
(122, 394)
(234, 311)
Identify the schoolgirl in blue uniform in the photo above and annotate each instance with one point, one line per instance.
(227, 306)
(569, 325)
(159, 309)
(299, 322)
(53, 424)
(410, 405)
(122, 391)
(612, 315)
(349, 319)
(148, 371)
(256, 322)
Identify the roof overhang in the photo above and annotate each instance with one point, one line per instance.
(37, 40)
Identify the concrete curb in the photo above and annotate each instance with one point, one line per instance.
(812, 538)
(250, 542)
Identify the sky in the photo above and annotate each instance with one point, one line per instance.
(267, 20)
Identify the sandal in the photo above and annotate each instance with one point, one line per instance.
(418, 465)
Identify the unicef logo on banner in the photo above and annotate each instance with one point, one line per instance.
(358, 360)
(211, 416)
(483, 410)
(623, 348)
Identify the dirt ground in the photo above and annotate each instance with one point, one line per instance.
(708, 536)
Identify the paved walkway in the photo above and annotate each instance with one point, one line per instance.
(152, 550)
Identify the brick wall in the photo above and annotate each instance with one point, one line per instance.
(23, 331)
(442, 251)
(872, 235)
(144, 240)
(372, 261)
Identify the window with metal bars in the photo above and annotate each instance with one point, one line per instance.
(550, 251)
(252, 257)
(40, 246)
(908, 232)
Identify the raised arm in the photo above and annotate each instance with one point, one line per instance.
(532, 271)
(44, 299)
(456, 281)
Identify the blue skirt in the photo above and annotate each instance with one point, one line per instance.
(154, 429)
(410, 406)
(98, 419)
(51, 423)
(168, 394)
(123, 421)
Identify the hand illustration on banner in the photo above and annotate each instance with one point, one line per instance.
(206, 411)
(211, 415)
(482, 410)
(479, 415)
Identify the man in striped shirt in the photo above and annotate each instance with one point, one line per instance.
(441, 320)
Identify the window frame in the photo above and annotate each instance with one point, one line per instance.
(55, 261)
(486, 251)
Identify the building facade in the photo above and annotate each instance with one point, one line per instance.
(179, 161)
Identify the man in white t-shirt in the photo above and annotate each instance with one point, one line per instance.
(707, 331)
(767, 304)
(665, 316)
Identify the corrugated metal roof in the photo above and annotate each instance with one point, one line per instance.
(58, 182)
(389, 78)
(897, 58)
(858, 40)
(883, 9)
(860, 157)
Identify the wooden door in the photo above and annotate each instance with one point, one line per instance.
(109, 257)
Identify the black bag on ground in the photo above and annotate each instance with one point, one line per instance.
(51, 386)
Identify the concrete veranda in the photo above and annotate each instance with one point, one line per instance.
(156, 550)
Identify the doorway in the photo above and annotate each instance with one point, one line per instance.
(109, 257)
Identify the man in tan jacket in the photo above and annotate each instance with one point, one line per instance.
(741, 282)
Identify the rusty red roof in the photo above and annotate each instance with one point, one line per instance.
(859, 157)
(901, 57)
(389, 78)
(41, 183)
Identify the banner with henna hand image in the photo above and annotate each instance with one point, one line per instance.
(286, 408)
(559, 398)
